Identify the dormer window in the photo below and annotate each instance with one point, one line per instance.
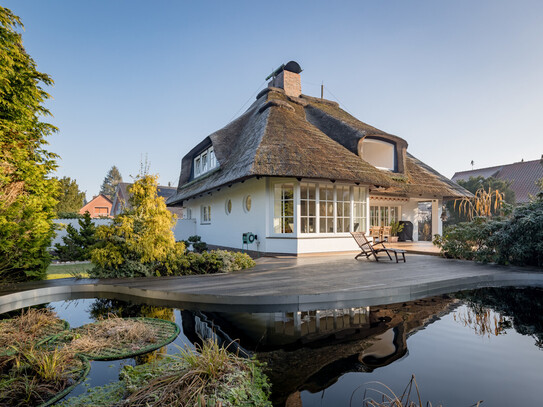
(379, 153)
(205, 162)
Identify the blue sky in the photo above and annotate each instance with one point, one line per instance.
(459, 80)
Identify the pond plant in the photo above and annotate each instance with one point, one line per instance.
(206, 376)
(29, 374)
(410, 397)
(41, 360)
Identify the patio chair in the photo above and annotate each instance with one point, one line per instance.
(375, 233)
(369, 249)
(386, 232)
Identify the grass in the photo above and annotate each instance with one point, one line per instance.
(206, 376)
(387, 398)
(33, 376)
(112, 332)
(28, 328)
(78, 270)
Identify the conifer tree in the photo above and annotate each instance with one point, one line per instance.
(77, 243)
(140, 241)
(111, 180)
(70, 198)
(27, 193)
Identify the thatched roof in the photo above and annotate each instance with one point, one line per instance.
(303, 137)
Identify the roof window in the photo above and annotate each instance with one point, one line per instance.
(379, 153)
(205, 162)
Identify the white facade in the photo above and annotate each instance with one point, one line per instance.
(226, 229)
(222, 216)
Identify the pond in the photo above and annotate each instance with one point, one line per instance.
(485, 344)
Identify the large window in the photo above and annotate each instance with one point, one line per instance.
(383, 215)
(283, 218)
(321, 208)
(204, 162)
(308, 208)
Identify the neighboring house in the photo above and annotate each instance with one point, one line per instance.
(523, 177)
(121, 196)
(99, 206)
(301, 173)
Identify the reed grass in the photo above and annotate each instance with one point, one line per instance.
(385, 397)
(206, 369)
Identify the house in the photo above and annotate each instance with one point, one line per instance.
(300, 173)
(121, 196)
(523, 177)
(98, 207)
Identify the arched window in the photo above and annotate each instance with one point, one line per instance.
(379, 153)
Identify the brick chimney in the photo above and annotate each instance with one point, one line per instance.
(287, 77)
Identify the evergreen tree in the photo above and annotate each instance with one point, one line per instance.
(77, 243)
(111, 180)
(70, 198)
(27, 193)
(140, 241)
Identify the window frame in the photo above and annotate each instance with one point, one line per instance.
(332, 188)
(204, 162)
(384, 143)
(205, 214)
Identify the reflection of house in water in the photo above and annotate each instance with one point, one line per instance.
(311, 350)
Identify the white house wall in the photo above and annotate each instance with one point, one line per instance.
(227, 230)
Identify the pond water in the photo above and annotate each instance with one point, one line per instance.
(485, 344)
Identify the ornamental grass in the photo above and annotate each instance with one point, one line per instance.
(207, 376)
(111, 333)
(28, 328)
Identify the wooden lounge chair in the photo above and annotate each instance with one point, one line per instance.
(369, 249)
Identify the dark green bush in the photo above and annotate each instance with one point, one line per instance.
(77, 243)
(515, 240)
(196, 243)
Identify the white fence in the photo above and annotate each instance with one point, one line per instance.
(182, 229)
(74, 222)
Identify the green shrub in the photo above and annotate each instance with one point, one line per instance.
(204, 263)
(77, 243)
(196, 243)
(515, 240)
(234, 261)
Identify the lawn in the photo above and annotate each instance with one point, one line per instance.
(55, 271)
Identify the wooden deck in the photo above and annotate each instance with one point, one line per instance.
(287, 284)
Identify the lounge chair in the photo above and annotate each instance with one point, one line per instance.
(369, 249)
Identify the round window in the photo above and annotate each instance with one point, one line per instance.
(228, 206)
(247, 203)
